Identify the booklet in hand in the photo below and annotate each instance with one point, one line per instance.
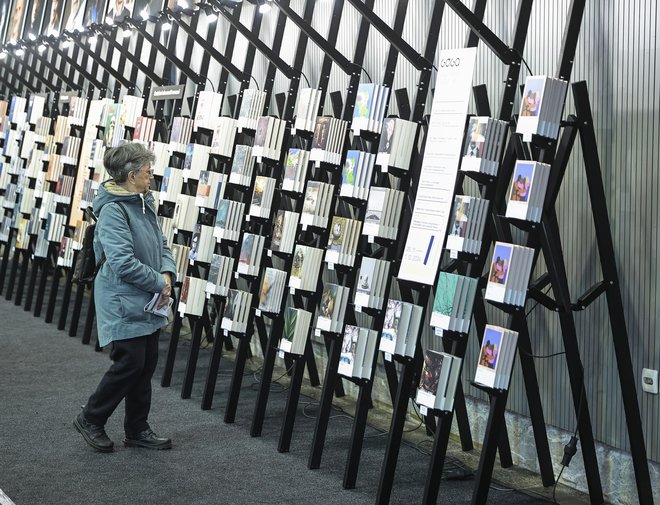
(152, 306)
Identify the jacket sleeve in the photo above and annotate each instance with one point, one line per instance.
(115, 237)
(168, 264)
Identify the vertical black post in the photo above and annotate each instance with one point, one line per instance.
(293, 395)
(214, 364)
(32, 284)
(13, 269)
(52, 298)
(42, 287)
(22, 277)
(66, 299)
(236, 378)
(171, 352)
(613, 293)
(189, 376)
(77, 307)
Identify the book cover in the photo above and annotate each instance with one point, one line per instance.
(431, 372)
(298, 261)
(365, 280)
(311, 197)
(290, 320)
(328, 300)
(444, 294)
(363, 100)
(246, 249)
(460, 216)
(490, 348)
(337, 232)
(387, 136)
(475, 139)
(321, 132)
(221, 216)
(278, 231)
(499, 268)
(392, 319)
(522, 181)
(350, 165)
(258, 193)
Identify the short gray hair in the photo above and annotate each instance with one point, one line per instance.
(125, 158)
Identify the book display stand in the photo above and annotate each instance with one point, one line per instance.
(28, 264)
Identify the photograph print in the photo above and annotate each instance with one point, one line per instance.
(522, 181)
(532, 96)
(16, 21)
(500, 266)
(118, 10)
(52, 23)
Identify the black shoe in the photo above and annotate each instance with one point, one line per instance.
(147, 439)
(93, 434)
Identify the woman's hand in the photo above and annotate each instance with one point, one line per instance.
(166, 291)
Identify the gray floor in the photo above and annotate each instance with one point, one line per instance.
(45, 376)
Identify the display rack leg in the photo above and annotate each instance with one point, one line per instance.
(41, 291)
(325, 403)
(237, 378)
(552, 253)
(357, 436)
(620, 337)
(396, 434)
(21, 278)
(171, 352)
(462, 419)
(29, 295)
(214, 365)
(66, 300)
(13, 270)
(339, 385)
(292, 404)
(77, 308)
(392, 378)
(189, 376)
(5, 259)
(52, 297)
(89, 319)
(266, 378)
(312, 370)
(489, 448)
(438, 455)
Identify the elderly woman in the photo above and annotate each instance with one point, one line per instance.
(137, 264)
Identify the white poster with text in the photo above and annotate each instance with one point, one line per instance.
(444, 143)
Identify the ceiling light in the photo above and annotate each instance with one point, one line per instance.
(263, 8)
(20, 51)
(32, 36)
(212, 18)
(127, 33)
(109, 20)
(144, 14)
(3, 55)
(66, 43)
(166, 26)
(182, 3)
(41, 48)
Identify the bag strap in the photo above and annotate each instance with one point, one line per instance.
(128, 222)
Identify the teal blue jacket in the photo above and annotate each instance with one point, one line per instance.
(136, 256)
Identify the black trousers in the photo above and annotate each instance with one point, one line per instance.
(129, 378)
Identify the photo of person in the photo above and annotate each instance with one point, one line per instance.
(74, 15)
(118, 10)
(147, 8)
(53, 18)
(500, 265)
(522, 180)
(16, 20)
(94, 12)
(387, 136)
(490, 349)
(35, 16)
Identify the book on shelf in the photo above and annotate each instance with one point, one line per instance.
(171, 184)
(55, 227)
(400, 328)
(509, 273)
(273, 283)
(145, 129)
(23, 239)
(397, 139)
(466, 226)
(196, 159)
(237, 311)
(370, 105)
(242, 166)
(180, 133)
(65, 253)
(28, 201)
(193, 296)
(296, 330)
(437, 384)
(305, 268)
(383, 211)
(185, 213)
(64, 189)
(484, 144)
(163, 153)
(529, 185)
(541, 107)
(180, 253)
(307, 106)
(210, 189)
(110, 124)
(167, 227)
(328, 140)
(262, 196)
(453, 302)
(228, 220)
(249, 259)
(356, 174)
(224, 133)
(27, 144)
(332, 307)
(131, 108)
(252, 106)
(268, 137)
(317, 204)
(207, 110)
(295, 170)
(36, 108)
(498, 349)
(202, 244)
(220, 274)
(343, 241)
(358, 350)
(371, 283)
(284, 231)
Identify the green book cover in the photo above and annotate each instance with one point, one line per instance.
(444, 294)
